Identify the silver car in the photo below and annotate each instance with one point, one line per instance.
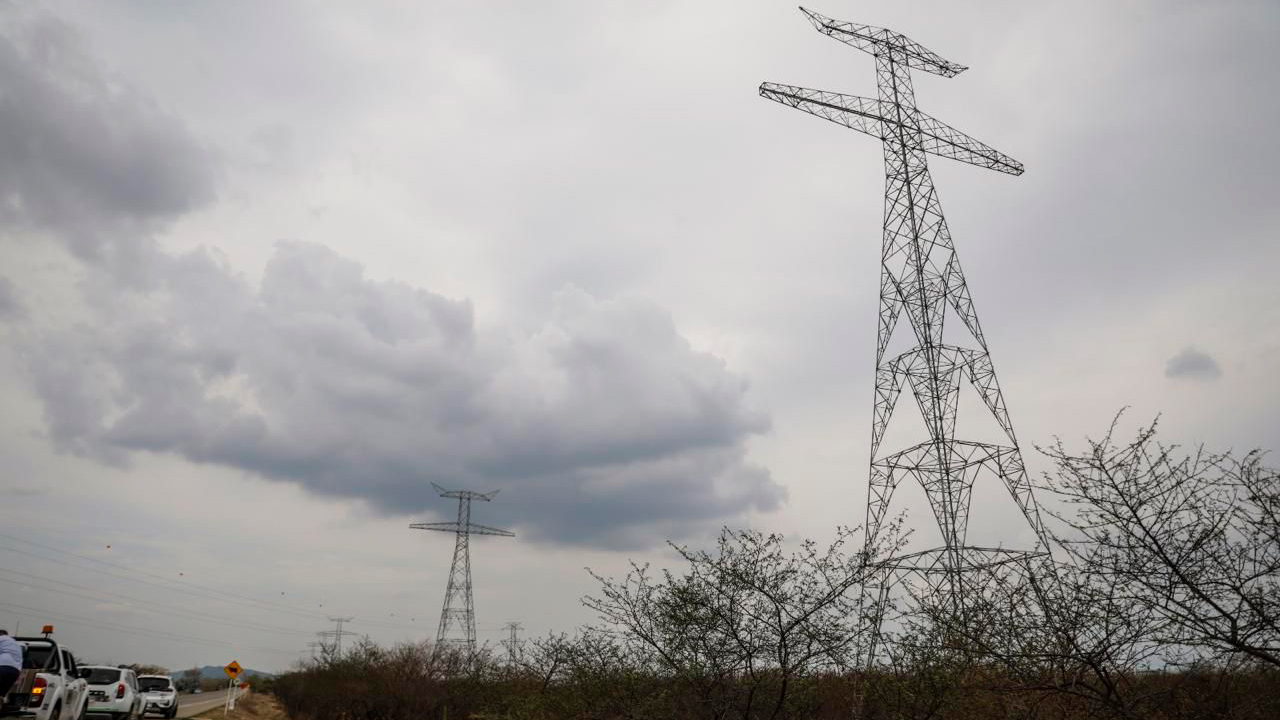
(158, 695)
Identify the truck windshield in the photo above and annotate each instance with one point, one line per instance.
(103, 676)
(148, 684)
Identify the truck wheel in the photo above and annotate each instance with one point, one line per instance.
(56, 713)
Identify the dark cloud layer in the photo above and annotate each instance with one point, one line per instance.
(602, 423)
(1192, 364)
(83, 157)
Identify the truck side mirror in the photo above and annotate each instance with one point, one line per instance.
(83, 673)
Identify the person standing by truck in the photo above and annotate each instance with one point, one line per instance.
(10, 661)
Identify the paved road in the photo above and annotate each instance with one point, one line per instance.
(189, 704)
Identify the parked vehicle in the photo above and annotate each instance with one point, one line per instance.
(113, 691)
(159, 695)
(50, 686)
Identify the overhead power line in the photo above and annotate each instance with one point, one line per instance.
(194, 589)
(41, 613)
(184, 591)
(151, 606)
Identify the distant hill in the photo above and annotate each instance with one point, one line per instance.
(214, 672)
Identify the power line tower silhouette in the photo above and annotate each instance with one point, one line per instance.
(458, 616)
(920, 274)
(336, 634)
(512, 642)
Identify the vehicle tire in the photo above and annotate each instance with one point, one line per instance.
(56, 712)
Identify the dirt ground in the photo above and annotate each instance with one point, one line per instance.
(254, 706)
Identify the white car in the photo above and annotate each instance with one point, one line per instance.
(158, 695)
(114, 691)
(49, 687)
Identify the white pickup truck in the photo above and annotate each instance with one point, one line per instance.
(50, 686)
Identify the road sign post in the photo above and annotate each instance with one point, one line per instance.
(233, 671)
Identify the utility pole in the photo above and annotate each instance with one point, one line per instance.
(920, 274)
(458, 616)
(512, 642)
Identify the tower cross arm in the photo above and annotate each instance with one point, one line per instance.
(876, 119)
(857, 113)
(470, 528)
(879, 41)
(441, 526)
(464, 494)
(945, 141)
(475, 529)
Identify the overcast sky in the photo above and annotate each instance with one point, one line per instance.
(268, 270)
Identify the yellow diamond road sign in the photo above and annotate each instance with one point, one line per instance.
(233, 670)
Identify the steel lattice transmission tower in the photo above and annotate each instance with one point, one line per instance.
(512, 643)
(337, 634)
(458, 616)
(920, 278)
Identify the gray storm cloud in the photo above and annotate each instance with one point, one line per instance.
(602, 423)
(84, 157)
(1192, 364)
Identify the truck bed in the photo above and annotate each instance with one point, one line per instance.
(15, 701)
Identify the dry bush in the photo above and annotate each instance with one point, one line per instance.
(1161, 604)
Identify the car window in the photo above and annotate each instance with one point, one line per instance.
(70, 662)
(152, 684)
(103, 676)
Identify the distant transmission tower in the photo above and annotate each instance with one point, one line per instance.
(336, 633)
(920, 273)
(512, 642)
(458, 616)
